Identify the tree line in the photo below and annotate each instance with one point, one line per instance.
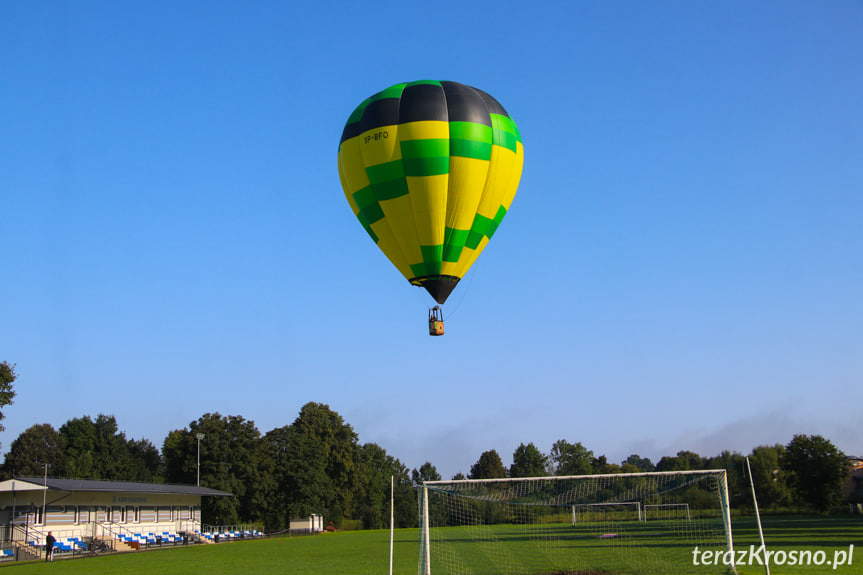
(317, 465)
(314, 465)
(809, 472)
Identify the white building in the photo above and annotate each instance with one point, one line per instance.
(310, 524)
(103, 510)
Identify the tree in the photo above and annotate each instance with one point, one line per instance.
(370, 507)
(816, 470)
(489, 466)
(146, 461)
(318, 463)
(601, 466)
(426, 472)
(406, 512)
(79, 436)
(734, 464)
(570, 459)
(98, 450)
(769, 478)
(179, 455)
(301, 486)
(7, 394)
(381, 473)
(528, 461)
(683, 461)
(234, 459)
(640, 463)
(37, 445)
(278, 515)
(437, 508)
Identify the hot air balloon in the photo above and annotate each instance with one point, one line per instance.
(430, 169)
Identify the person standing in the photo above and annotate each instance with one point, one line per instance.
(49, 547)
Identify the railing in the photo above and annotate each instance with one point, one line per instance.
(111, 531)
(148, 535)
(20, 540)
(219, 533)
(26, 540)
(69, 541)
(15, 546)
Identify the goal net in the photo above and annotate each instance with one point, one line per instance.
(576, 525)
(667, 511)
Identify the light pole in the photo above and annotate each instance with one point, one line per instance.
(200, 436)
(12, 519)
(44, 495)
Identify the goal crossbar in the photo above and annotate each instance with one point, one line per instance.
(563, 477)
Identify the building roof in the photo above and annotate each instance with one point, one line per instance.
(93, 485)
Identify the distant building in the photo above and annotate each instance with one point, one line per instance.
(32, 506)
(310, 524)
(853, 487)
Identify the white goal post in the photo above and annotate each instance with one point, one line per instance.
(575, 524)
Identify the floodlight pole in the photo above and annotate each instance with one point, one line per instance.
(392, 518)
(45, 495)
(199, 436)
(12, 521)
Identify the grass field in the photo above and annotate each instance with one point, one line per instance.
(800, 533)
(366, 553)
(625, 547)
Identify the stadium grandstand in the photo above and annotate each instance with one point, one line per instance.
(87, 516)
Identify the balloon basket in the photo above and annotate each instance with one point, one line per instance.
(435, 321)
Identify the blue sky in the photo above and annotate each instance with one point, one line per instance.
(682, 267)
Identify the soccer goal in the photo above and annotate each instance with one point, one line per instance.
(575, 525)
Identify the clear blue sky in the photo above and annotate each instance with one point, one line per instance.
(682, 267)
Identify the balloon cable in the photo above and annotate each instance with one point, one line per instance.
(463, 295)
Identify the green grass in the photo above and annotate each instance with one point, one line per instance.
(608, 547)
(366, 552)
(797, 533)
(354, 552)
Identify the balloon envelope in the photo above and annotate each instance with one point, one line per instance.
(430, 169)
